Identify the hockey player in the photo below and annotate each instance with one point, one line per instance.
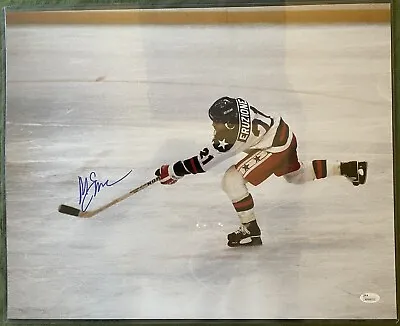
(271, 148)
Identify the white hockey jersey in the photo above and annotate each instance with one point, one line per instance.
(254, 130)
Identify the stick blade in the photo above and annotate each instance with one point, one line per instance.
(68, 210)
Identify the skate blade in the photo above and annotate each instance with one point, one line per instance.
(255, 241)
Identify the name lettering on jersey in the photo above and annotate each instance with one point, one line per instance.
(244, 120)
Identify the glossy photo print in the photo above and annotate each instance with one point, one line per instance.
(199, 171)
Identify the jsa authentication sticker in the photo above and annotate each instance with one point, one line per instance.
(369, 297)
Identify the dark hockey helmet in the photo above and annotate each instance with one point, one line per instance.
(224, 110)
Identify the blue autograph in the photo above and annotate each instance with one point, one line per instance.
(95, 186)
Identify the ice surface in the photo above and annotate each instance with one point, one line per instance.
(162, 253)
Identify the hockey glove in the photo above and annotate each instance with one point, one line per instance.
(167, 175)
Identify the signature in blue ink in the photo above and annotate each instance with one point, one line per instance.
(93, 186)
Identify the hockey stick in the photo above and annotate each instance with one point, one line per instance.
(65, 209)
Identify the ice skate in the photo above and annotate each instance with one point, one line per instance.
(249, 233)
(355, 171)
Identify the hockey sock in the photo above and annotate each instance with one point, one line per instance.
(322, 169)
(317, 169)
(245, 209)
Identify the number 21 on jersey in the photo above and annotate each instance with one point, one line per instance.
(205, 156)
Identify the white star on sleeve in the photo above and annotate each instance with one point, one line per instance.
(222, 143)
